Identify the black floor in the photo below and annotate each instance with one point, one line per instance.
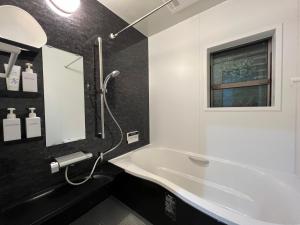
(111, 212)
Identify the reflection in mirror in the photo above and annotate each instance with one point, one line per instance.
(64, 96)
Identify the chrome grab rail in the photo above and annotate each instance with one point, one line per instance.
(101, 78)
(203, 162)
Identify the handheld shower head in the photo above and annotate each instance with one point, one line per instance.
(114, 73)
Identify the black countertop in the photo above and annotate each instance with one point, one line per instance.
(63, 201)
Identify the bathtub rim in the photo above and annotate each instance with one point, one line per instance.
(217, 212)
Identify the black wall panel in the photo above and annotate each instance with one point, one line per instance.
(24, 168)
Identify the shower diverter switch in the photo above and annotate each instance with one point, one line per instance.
(133, 137)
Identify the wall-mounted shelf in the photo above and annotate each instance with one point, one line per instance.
(20, 45)
(14, 51)
(23, 140)
(27, 35)
(19, 94)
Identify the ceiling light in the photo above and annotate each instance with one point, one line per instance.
(64, 7)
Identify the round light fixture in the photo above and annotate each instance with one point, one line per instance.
(64, 7)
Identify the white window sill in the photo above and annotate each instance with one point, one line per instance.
(244, 109)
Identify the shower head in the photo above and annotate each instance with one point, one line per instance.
(114, 74)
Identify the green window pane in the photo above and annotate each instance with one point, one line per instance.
(241, 64)
(248, 68)
(255, 96)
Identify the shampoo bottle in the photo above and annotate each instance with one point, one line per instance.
(11, 126)
(29, 79)
(33, 125)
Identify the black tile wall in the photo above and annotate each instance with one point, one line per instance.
(24, 168)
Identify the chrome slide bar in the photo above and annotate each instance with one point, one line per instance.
(102, 133)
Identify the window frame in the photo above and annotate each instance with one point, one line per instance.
(244, 84)
(274, 31)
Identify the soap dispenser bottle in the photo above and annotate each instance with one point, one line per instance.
(11, 126)
(33, 125)
(29, 79)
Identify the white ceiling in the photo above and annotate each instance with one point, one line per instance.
(130, 10)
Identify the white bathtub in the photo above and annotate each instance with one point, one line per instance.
(229, 192)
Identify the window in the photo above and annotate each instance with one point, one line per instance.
(242, 76)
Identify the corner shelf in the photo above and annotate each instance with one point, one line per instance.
(23, 140)
(19, 94)
(15, 50)
(23, 46)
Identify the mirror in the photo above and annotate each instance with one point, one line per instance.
(64, 96)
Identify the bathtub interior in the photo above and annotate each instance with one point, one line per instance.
(242, 189)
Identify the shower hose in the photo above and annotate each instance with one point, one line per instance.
(100, 158)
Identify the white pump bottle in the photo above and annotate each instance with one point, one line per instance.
(11, 126)
(33, 125)
(29, 79)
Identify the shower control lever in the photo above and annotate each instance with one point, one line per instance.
(67, 160)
